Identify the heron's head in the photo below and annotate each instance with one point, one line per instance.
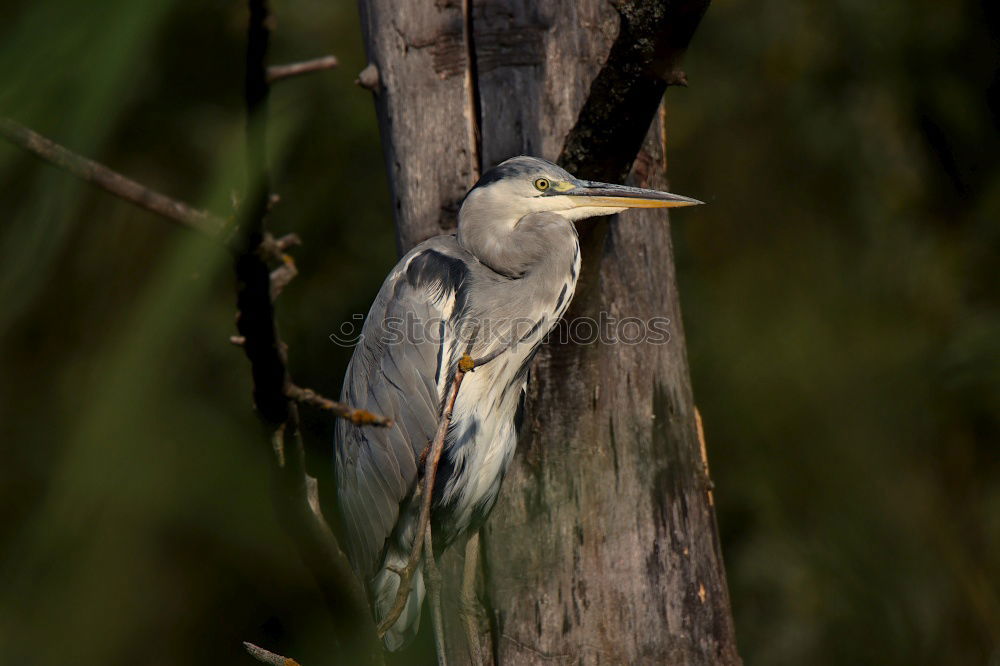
(523, 209)
(524, 185)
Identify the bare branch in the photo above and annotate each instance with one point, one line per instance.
(274, 249)
(111, 181)
(279, 72)
(296, 504)
(287, 241)
(177, 211)
(268, 657)
(644, 59)
(294, 495)
(359, 417)
(258, 287)
(283, 275)
(465, 364)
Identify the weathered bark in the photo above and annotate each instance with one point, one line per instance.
(609, 470)
(603, 547)
(426, 110)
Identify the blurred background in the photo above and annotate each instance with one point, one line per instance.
(840, 299)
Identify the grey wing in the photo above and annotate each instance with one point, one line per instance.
(396, 371)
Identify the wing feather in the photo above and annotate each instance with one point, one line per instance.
(395, 372)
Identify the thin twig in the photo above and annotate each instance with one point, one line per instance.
(268, 657)
(465, 365)
(287, 241)
(111, 181)
(279, 72)
(274, 249)
(283, 275)
(358, 417)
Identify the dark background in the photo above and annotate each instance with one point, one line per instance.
(839, 295)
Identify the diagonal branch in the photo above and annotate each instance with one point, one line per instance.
(269, 249)
(268, 657)
(359, 417)
(644, 59)
(622, 102)
(274, 394)
(465, 364)
(111, 181)
(432, 459)
(294, 495)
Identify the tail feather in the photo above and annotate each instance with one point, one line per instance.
(384, 589)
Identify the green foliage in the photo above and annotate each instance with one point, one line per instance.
(839, 294)
(842, 322)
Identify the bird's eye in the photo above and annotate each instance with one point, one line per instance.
(542, 184)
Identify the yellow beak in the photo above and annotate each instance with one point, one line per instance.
(605, 195)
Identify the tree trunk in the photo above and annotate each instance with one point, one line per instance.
(603, 546)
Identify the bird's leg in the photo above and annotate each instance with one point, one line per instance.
(468, 606)
(433, 575)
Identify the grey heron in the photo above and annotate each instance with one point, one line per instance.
(508, 276)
